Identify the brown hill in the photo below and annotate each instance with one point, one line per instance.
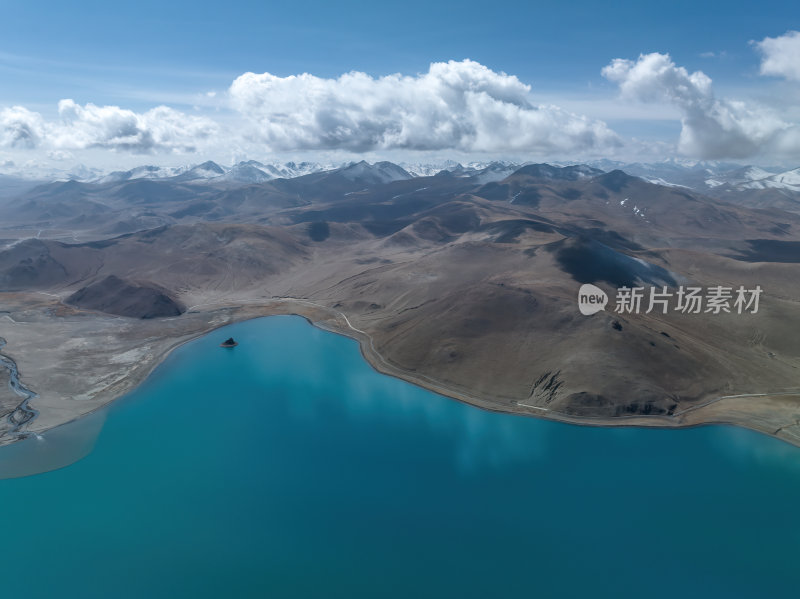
(116, 296)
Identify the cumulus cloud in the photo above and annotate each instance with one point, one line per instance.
(20, 128)
(781, 55)
(455, 105)
(712, 128)
(111, 127)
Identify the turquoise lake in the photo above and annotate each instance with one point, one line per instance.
(287, 467)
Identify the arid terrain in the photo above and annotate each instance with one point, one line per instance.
(463, 285)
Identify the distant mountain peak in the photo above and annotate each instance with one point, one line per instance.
(561, 173)
(380, 172)
(247, 173)
(210, 166)
(615, 180)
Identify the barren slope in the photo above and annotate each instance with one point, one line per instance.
(464, 287)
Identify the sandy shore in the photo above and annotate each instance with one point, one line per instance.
(141, 347)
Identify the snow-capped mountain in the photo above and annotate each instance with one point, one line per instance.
(565, 173)
(429, 169)
(245, 172)
(380, 172)
(495, 171)
(484, 172)
(744, 174)
(141, 172)
(698, 175)
(719, 179)
(788, 180)
(203, 172)
(290, 170)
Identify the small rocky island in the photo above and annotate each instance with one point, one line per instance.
(230, 342)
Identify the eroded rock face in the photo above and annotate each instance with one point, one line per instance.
(122, 298)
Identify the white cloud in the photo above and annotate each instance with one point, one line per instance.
(110, 127)
(20, 128)
(60, 155)
(781, 55)
(712, 128)
(462, 106)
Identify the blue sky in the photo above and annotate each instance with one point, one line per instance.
(186, 55)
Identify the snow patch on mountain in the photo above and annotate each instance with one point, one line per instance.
(482, 172)
(244, 172)
(380, 172)
(789, 180)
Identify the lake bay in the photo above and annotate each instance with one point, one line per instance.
(288, 467)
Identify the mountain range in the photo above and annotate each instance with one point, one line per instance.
(752, 185)
(464, 280)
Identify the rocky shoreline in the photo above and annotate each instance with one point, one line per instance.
(24, 414)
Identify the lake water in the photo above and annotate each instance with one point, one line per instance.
(287, 467)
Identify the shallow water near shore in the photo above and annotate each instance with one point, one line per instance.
(288, 467)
